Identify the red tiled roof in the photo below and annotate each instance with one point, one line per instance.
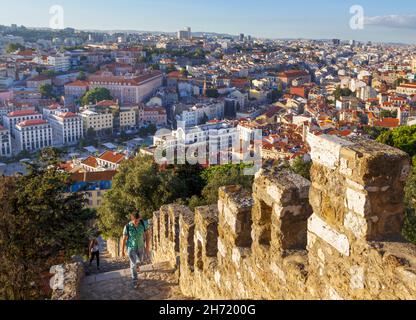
(107, 103)
(408, 85)
(112, 157)
(388, 123)
(175, 74)
(22, 113)
(93, 176)
(40, 77)
(78, 83)
(90, 162)
(29, 123)
(67, 115)
(293, 73)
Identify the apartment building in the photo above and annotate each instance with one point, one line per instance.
(111, 160)
(5, 143)
(67, 128)
(127, 117)
(155, 115)
(407, 89)
(300, 76)
(32, 135)
(217, 137)
(60, 63)
(129, 90)
(75, 90)
(38, 81)
(97, 121)
(15, 117)
(200, 113)
(93, 184)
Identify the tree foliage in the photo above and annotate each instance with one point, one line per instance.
(302, 168)
(374, 132)
(409, 230)
(403, 138)
(212, 93)
(96, 95)
(140, 185)
(46, 91)
(342, 93)
(40, 225)
(13, 47)
(82, 76)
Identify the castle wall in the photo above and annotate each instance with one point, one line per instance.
(336, 237)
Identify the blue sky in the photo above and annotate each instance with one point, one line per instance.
(263, 18)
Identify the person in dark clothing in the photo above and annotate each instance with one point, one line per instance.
(94, 250)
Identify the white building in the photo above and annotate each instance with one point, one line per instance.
(67, 128)
(15, 117)
(217, 139)
(5, 143)
(61, 63)
(33, 135)
(195, 115)
(185, 34)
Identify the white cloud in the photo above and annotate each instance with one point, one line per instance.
(392, 21)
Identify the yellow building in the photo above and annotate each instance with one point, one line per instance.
(97, 121)
(94, 185)
(128, 118)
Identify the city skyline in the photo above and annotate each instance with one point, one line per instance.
(273, 19)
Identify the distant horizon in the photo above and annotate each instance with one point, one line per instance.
(204, 32)
(385, 22)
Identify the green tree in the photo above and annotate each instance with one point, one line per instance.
(46, 91)
(171, 68)
(398, 82)
(212, 93)
(409, 230)
(220, 176)
(342, 93)
(403, 138)
(375, 132)
(82, 76)
(134, 188)
(41, 224)
(13, 47)
(96, 95)
(388, 114)
(302, 168)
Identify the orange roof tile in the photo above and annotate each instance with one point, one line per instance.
(90, 162)
(29, 123)
(112, 157)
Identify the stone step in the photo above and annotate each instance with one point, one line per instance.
(159, 267)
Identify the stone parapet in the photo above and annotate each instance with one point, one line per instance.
(336, 237)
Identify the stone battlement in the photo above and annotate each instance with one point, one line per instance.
(336, 237)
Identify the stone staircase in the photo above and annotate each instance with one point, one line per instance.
(113, 282)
